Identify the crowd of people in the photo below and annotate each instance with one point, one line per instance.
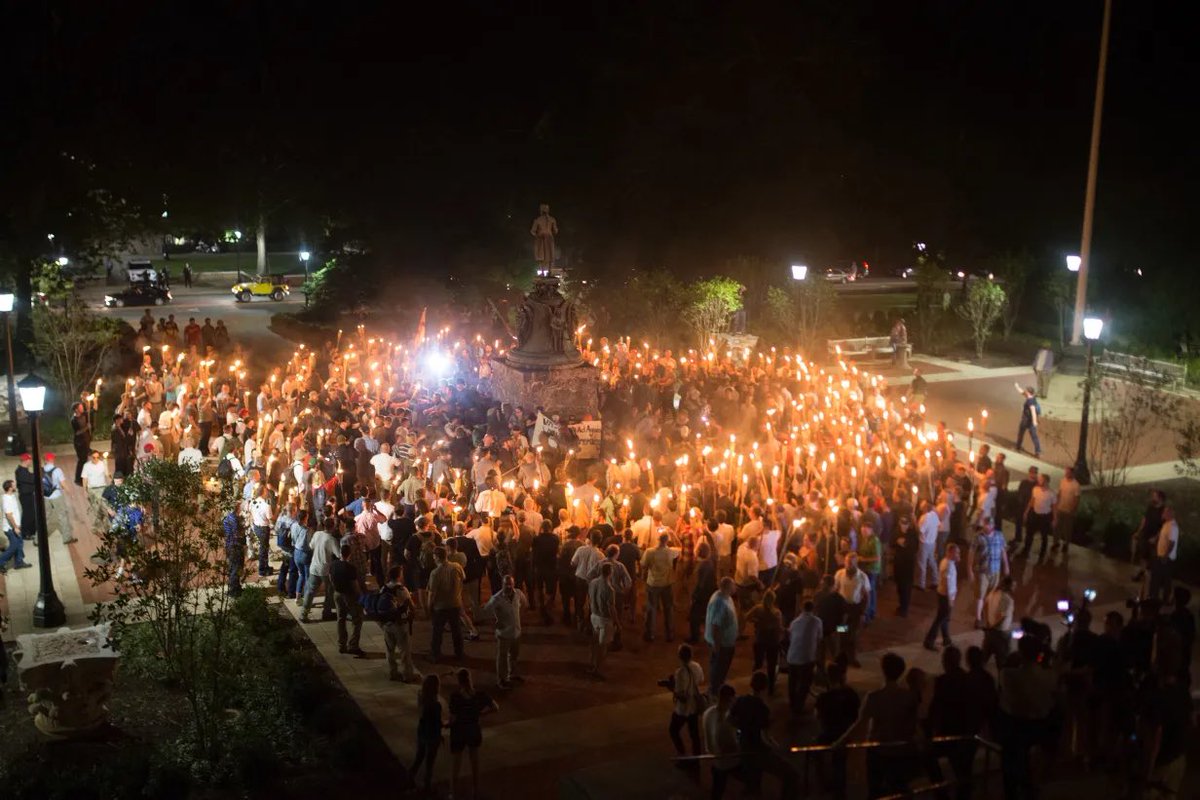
(770, 499)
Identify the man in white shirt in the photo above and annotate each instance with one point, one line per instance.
(1065, 509)
(998, 610)
(947, 590)
(15, 550)
(927, 544)
(385, 465)
(260, 523)
(95, 473)
(1039, 516)
(745, 573)
(855, 587)
(190, 455)
(491, 502)
(1167, 549)
(485, 538)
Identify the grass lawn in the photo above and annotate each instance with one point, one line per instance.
(279, 262)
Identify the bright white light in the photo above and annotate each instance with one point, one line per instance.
(1073, 263)
(164, 215)
(237, 235)
(305, 255)
(62, 261)
(799, 272)
(1092, 326)
(33, 398)
(920, 247)
(438, 363)
(50, 236)
(6, 302)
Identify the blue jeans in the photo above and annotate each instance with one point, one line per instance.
(1033, 435)
(15, 552)
(873, 598)
(237, 559)
(299, 578)
(286, 573)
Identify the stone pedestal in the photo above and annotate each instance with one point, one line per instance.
(568, 390)
(69, 674)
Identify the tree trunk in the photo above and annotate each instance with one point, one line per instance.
(260, 240)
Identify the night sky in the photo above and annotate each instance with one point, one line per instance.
(662, 133)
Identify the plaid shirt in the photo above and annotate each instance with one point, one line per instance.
(989, 553)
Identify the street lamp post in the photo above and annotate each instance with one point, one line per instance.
(304, 256)
(1089, 197)
(48, 610)
(1092, 327)
(16, 445)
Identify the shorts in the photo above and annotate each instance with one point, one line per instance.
(985, 583)
(604, 628)
(462, 738)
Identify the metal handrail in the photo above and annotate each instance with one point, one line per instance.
(866, 745)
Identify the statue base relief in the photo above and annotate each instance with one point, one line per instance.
(569, 390)
(69, 675)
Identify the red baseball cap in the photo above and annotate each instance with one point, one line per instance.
(49, 456)
(26, 457)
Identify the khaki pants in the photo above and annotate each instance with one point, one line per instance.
(58, 517)
(399, 651)
(507, 651)
(1063, 527)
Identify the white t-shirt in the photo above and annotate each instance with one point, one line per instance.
(768, 549)
(11, 505)
(1168, 540)
(260, 512)
(745, 571)
(95, 474)
(190, 455)
(484, 538)
(385, 528)
(1043, 500)
(385, 466)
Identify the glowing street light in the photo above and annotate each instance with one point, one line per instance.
(48, 610)
(1092, 328)
(799, 272)
(1073, 263)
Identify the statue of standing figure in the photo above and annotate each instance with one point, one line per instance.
(546, 325)
(545, 228)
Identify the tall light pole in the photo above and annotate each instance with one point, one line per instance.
(1089, 199)
(16, 445)
(1092, 328)
(48, 610)
(304, 256)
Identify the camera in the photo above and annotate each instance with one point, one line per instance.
(1064, 606)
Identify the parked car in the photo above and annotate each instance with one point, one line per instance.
(141, 270)
(245, 291)
(139, 294)
(839, 275)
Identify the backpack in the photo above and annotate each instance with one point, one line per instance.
(48, 481)
(378, 605)
(224, 469)
(425, 558)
